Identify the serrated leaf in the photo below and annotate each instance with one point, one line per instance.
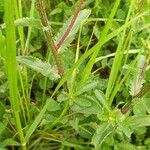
(137, 121)
(82, 16)
(38, 65)
(86, 105)
(102, 132)
(53, 105)
(139, 108)
(102, 99)
(126, 130)
(138, 78)
(26, 22)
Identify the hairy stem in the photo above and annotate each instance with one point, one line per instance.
(49, 37)
(131, 103)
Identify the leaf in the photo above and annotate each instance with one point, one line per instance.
(9, 142)
(1, 5)
(137, 121)
(82, 16)
(139, 108)
(146, 103)
(101, 97)
(125, 129)
(125, 146)
(36, 122)
(138, 77)
(26, 22)
(102, 132)
(86, 105)
(2, 111)
(42, 67)
(87, 87)
(2, 127)
(53, 105)
(2, 45)
(83, 102)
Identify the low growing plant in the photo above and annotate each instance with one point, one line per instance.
(74, 75)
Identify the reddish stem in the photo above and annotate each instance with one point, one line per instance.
(62, 39)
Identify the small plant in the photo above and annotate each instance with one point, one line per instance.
(74, 75)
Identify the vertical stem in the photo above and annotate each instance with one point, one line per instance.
(30, 28)
(11, 67)
(18, 14)
(48, 34)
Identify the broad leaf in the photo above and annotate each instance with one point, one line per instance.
(101, 97)
(9, 142)
(87, 87)
(38, 65)
(86, 105)
(103, 131)
(53, 105)
(137, 121)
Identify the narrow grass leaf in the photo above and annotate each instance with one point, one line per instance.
(37, 121)
(103, 36)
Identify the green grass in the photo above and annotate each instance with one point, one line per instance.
(90, 93)
(11, 65)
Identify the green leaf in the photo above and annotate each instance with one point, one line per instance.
(2, 127)
(86, 104)
(87, 87)
(138, 77)
(26, 22)
(101, 97)
(137, 121)
(125, 146)
(102, 132)
(125, 129)
(53, 105)
(2, 45)
(38, 65)
(139, 108)
(146, 103)
(82, 16)
(9, 142)
(2, 110)
(36, 121)
(1, 5)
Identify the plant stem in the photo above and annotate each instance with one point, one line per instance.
(49, 37)
(58, 45)
(131, 103)
(12, 69)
